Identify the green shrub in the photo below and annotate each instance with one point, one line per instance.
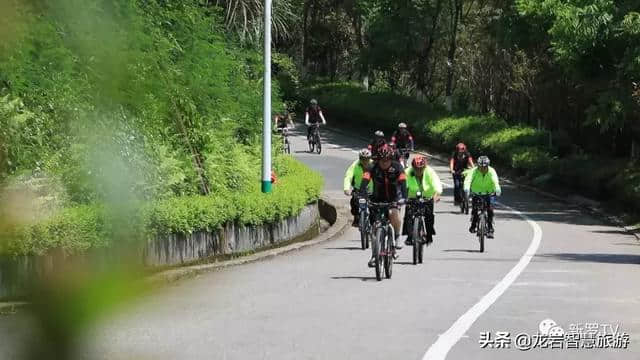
(521, 148)
(84, 227)
(530, 160)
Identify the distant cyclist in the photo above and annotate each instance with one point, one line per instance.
(313, 116)
(353, 180)
(460, 161)
(283, 121)
(389, 186)
(483, 180)
(402, 138)
(421, 178)
(377, 143)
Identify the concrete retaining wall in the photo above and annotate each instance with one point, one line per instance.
(179, 249)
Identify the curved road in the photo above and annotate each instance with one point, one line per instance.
(324, 303)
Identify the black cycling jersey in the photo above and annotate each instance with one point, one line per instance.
(388, 185)
(314, 114)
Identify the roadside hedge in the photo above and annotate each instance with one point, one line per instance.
(81, 228)
(522, 149)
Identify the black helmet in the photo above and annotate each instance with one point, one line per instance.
(385, 152)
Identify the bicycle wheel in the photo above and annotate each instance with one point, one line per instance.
(363, 231)
(482, 226)
(424, 237)
(318, 143)
(388, 259)
(377, 244)
(417, 241)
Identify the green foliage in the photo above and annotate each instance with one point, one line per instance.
(530, 160)
(83, 227)
(522, 149)
(349, 103)
(73, 230)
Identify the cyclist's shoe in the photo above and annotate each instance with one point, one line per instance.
(356, 222)
(490, 232)
(472, 228)
(429, 240)
(371, 263)
(397, 245)
(408, 241)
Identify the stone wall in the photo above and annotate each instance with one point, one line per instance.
(180, 249)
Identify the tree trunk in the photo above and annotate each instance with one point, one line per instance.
(455, 8)
(305, 36)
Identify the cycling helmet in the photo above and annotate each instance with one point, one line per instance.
(419, 162)
(402, 126)
(483, 161)
(313, 102)
(461, 147)
(379, 133)
(385, 152)
(365, 154)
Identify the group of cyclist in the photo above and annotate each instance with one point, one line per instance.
(380, 175)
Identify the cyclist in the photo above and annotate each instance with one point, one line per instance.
(421, 178)
(353, 180)
(312, 116)
(402, 138)
(283, 121)
(377, 143)
(389, 186)
(483, 180)
(460, 161)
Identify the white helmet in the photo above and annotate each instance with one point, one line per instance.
(402, 126)
(365, 154)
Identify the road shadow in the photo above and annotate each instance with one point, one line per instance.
(403, 262)
(345, 248)
(596, 258)
(616, 232)
(462, 250)
(361, 278)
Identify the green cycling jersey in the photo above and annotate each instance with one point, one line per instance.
(429, 186)
(353, 177)
(482, 183)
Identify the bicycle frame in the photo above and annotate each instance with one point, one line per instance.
(419, 209)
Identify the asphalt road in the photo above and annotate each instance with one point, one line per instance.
(324, 303)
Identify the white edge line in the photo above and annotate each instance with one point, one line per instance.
(442, 346)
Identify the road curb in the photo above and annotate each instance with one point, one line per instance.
(11, 307)
(338, 228)
(617, 221)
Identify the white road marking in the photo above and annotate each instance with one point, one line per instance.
(442, 346)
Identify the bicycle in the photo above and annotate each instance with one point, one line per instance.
(464, 201)
(421, 211)
(286, 145)
(382, 242)
(405, 153)
(482, 202)
(314, 139)
(364, 224)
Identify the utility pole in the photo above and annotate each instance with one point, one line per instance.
(266, 126)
